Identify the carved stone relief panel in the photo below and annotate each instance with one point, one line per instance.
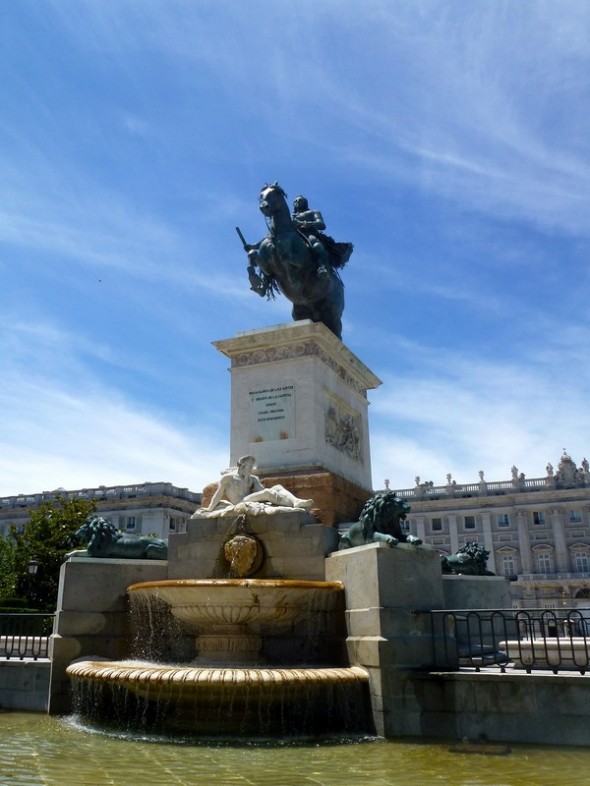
(343, 427)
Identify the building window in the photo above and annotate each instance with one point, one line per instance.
(544, 562)
(581, 562)
(538, 517)
(508, 565)
(177, 524)
(503, 520)
(575, 516)
(130, 523)
(469, 522)
(436, 525)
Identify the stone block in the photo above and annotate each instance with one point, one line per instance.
(307, 569)
(506, 697)
(81, 622)
(565, 697)
(387, 622)
(441, 725)
(378, 575)
(24, 685)
(402, 652)
(336, 500)
(476, 592)
(88, 584)
(396, 706)
(294, 545)
(63, 649)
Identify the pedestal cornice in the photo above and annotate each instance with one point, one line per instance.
(294, 340)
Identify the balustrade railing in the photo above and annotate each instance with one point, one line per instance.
(428, 490)
(557, 640)
(102, 492)
(25, 635)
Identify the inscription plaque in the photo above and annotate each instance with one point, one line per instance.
(272, 413)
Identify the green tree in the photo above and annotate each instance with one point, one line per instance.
(48, 535)
(8, 576)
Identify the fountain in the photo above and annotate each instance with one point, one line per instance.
(232, 656)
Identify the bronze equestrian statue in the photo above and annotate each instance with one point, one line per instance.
(297, 259)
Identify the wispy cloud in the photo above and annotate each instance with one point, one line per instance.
(463, 414)
(448, 141)
(83, 435)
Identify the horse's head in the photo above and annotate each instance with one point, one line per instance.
(272, 199)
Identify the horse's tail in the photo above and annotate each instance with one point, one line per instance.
(340, 254)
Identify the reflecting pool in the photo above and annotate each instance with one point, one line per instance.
(37, 750)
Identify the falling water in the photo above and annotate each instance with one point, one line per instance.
(303, 688)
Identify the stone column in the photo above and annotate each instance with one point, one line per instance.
(385, 587)
(559, 542)
(488, 540)
(453, 534)
(421, 527)
(524, 542)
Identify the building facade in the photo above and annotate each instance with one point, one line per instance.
(147, 508)
(537, 531)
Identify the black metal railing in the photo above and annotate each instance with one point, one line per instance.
(25, 635)
(557, 640)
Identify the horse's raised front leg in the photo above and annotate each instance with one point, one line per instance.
(260, 256)
(256, 282)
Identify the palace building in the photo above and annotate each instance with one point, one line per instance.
(146, 508)
(537, 530)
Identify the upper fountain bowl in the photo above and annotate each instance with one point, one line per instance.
(272, 604)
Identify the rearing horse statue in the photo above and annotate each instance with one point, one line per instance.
(296, 265)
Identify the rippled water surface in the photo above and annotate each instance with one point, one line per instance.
(36, 750)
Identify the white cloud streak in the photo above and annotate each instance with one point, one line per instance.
(462, 415)
(84, 436)
(483, 106)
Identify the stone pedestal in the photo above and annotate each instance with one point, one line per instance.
(335, 499)
(476, 592)
(92, 616)
(384, 587)
(299, 404)
(294, 545)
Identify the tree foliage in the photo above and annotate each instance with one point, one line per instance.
(8, 575)
(47, 537)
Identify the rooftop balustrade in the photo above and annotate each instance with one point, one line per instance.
(104, 493)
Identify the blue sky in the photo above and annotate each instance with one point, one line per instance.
(449, 141)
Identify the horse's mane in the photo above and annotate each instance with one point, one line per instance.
(276, 187)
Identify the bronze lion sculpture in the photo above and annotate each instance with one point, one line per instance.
(470, 560)
(380, 522)
(103, 539)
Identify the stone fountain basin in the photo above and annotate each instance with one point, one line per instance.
(188, 683)
(255, 604)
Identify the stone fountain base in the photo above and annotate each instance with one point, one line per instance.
(233, 685)
(147, 697)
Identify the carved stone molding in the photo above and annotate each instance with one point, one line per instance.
(293, 351)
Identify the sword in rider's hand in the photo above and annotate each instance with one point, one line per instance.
(247, 247)
(255, 280)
